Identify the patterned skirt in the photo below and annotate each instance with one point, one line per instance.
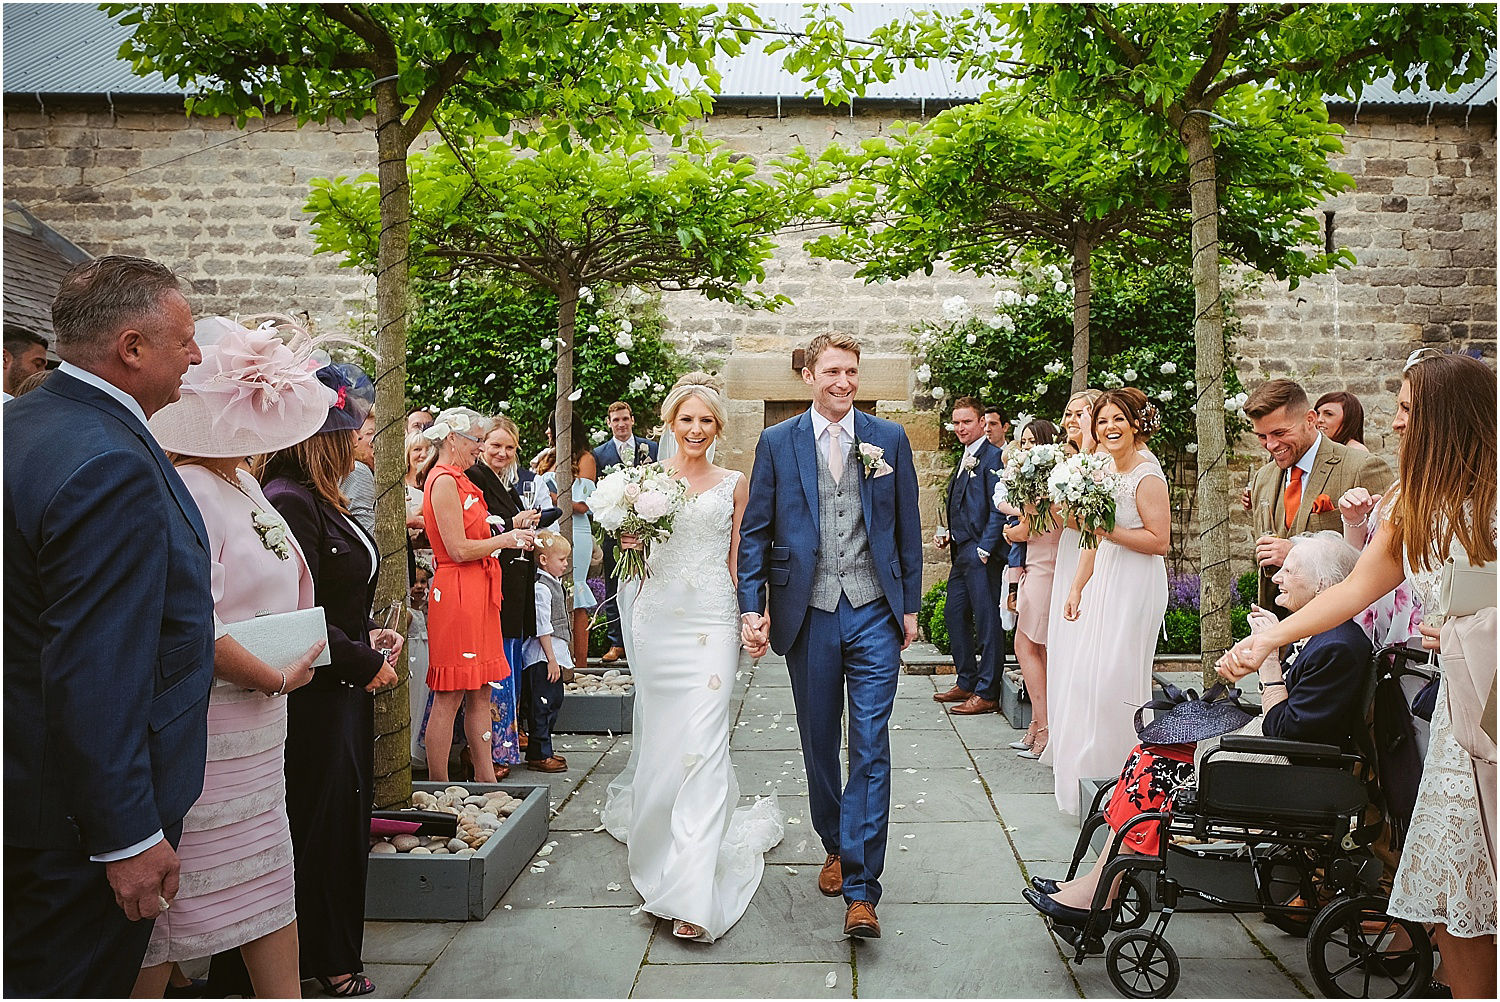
(1151, 778)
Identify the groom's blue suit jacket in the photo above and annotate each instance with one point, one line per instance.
(779, 530)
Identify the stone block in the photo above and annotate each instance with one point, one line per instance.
(1384, 167)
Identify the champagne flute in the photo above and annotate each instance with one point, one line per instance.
(389, 617)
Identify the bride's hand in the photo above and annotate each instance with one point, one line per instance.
(629, 542)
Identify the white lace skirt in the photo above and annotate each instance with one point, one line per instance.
(1446, 873)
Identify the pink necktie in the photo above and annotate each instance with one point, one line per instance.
(835, 454)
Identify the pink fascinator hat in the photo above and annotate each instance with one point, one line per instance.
(255, 391)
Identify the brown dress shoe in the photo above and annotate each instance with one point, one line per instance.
(553, 764)
(953, 695)
(974, 704)
(860, 921)
(612, 655)
(831, 877)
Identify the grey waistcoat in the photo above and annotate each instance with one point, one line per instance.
(844, 563)
(562, 627)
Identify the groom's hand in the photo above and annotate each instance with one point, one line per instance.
(754, 631)
(909, 626)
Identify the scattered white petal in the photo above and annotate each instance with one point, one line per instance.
(794, 821)
(788, 728)
(537, 869)
(599, 829)
(802, 846)
(713, 682)
(507, 908)
(900, 807)
(792, 870)
(552, 902)
(469, 655)
(543, 863)
(576, 835)
(895, 727)
(611, 886)
(911, 772)
(908, 836)
(832, 980)
(903, 848)
(545, 850)
(637, 909)
(575, 395)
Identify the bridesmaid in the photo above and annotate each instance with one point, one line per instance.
(1033, 603)
(1076, 422)
(1118, 618)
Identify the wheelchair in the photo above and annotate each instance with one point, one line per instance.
(1294, 836)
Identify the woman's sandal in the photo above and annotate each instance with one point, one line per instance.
(685, 930)
(1026, 740)
(355, 984)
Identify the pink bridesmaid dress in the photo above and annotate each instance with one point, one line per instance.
(236, 850)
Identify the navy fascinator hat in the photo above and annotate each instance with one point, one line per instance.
(355, 396)
(1182, 717)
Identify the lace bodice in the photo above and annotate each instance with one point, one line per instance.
(690, 568)
(1127, 515)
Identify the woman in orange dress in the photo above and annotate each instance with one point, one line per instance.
(466, 651)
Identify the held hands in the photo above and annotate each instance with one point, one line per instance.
(1260, 620)
(1244, 657)
(142, 882)
(755, 633)
(1271, 551)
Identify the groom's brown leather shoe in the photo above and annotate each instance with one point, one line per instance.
(612, 655)
(831, 877)
(860, 921)
(975, 704)
(953, 695)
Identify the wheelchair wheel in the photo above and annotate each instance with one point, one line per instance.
(1132, 906)
(1284, 875)
(1142, 965)
(1356, 949)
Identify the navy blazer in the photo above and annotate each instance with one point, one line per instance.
(109, 632)
(973, 519)
(779, 538)
(606, 455)
(342, 583)
(1324, 685)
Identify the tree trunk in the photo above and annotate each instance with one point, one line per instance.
(1083, 293)
(1208, 336)
(567, 322)
(392, 285)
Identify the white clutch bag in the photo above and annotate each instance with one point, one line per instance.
(280, 638)
(1464, 588)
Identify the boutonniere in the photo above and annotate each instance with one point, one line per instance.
(643, 453)
(970, 463)
(272, 531)
(873, 459)
(1322, 505)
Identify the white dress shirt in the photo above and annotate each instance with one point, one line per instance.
(626, 448)
(1305, 464)
(972, 449)
(134, 406)
(820, 429)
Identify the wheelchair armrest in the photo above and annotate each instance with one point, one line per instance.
(1261, 745)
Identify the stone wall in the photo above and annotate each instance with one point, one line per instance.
(222, 206)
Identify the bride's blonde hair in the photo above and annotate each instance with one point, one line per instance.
(702, 385)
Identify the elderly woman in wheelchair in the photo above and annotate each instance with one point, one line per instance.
(1309, 817)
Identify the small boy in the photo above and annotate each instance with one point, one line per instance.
(548, 653)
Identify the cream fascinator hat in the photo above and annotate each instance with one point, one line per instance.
(255, 391)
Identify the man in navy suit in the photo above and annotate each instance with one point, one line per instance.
(831, 544)
(976, 582)
(109, 636)
(624, 448)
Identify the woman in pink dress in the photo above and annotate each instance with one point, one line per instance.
(1033, 605)
(251, 394)
(1116, 603)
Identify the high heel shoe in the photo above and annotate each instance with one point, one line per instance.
(686, 930)
(1062, 915)
(1024, 742)
(1038, 745)
(355, 984)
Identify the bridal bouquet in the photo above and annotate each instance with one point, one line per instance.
(1024, 483)
(1085, 486)
(637, 501)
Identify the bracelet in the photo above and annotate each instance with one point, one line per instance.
(1267, 685)
(281, 691)
(1355, 525)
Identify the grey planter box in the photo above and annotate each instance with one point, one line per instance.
(459, 888)
(595, 714)
(1013, 703)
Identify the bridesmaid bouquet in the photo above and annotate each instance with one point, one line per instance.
(1085, 486)
(637, 501)
(1024, 483)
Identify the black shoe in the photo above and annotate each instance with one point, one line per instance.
(1062, 915)
(1044, 884)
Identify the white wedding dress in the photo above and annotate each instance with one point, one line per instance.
(694, 856)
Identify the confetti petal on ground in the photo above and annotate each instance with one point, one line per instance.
(911, 772)
(900, 807)
(537, 869)
(794, 821)
(599, 829)
(908, 836)
(832, 980)
(545, 850)
(611, 886)
(792, 870)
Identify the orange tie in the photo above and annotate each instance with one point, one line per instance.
(1293, 496)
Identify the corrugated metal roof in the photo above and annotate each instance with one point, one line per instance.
(69, 48)
(72, 48)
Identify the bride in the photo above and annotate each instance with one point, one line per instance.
(695, 858)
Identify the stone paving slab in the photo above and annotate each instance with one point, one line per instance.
(788, 920)
(746, 981)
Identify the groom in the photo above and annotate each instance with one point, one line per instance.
(832, 528)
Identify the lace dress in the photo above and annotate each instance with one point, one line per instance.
(1446, 874)
(693, 855)
(1105, 671)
